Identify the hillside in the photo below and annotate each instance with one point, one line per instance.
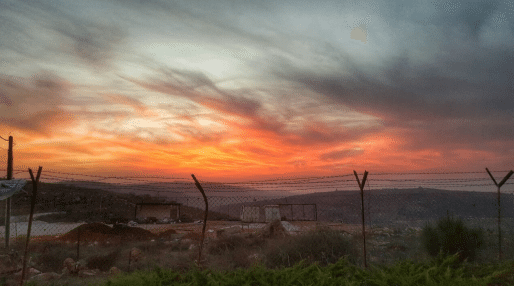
(387, 206)
(79, 204)
(178, 189)
(384, 206)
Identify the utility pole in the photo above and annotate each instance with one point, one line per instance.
(8, 200)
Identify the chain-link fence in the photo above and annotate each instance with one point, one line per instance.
(81, 212)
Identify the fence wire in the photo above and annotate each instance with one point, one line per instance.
(396, 201)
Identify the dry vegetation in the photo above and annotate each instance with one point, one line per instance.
(272, 247)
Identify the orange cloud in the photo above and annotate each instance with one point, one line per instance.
(140, 108)
(34, 105)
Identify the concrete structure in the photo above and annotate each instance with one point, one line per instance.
(272, 213)
(250, 214)
(157, 210)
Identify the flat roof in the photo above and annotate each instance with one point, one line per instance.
(159, 204)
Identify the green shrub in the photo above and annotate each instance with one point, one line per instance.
(450, 236)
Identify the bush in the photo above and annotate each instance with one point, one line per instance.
(103, 262)
(450, 236)
(223, 245)
(324, 246)
(50, 257)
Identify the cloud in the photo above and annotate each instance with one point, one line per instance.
(459, 97)
(245, 111)
(34, 105)
(46, 32)
(93, 43)
(340, 154)
(139, 107)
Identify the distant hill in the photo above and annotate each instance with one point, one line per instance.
(388, 206)
(178, 189)
(382, 207)
(81, 204)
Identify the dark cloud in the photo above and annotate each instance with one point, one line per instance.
(472, 14)
(461, 99)
(93, 43)
(5, 100)
(34, 104)
(340, 154)
(29, 22)
(246, 104)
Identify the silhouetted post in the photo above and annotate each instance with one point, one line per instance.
(498, 185)
(78, 243)
(204, 218)
(8, 200)
(361, 186)
(32, 205)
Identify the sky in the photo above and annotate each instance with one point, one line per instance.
(238, 90)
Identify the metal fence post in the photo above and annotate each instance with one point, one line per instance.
(35, 181)
(361, 186)
(498, 185)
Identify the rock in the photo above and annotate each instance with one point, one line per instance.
(289, 227)
(135, 254)
(7, 264)
(46, 276)
(87, 273)
(80, 265)
(69, 264)
(114, 271)
(273, 229)
(28, 273)
(225, 232)
(255, 258)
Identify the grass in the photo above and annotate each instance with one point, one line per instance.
(393, 253)
(441, 271)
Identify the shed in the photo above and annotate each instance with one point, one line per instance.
(157, 210)
(250, 214)
(272, 213)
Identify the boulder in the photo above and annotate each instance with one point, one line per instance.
(46, 276)
(114, 271)
(135, 254)
(80, 265)
(273, 229)
(29, 272)
(7, 264)
(69, 264)
(225, 232)
(87, 273)
(255, 258)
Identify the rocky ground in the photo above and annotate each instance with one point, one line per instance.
(185, 235)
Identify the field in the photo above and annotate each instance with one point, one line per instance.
(174, 246)
(75, 223)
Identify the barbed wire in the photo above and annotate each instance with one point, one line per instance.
(284, 186)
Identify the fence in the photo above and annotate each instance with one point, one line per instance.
(393, 202)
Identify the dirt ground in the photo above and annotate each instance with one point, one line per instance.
(97, 232)
(213, 226)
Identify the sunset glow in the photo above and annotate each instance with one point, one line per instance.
(232, 90)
